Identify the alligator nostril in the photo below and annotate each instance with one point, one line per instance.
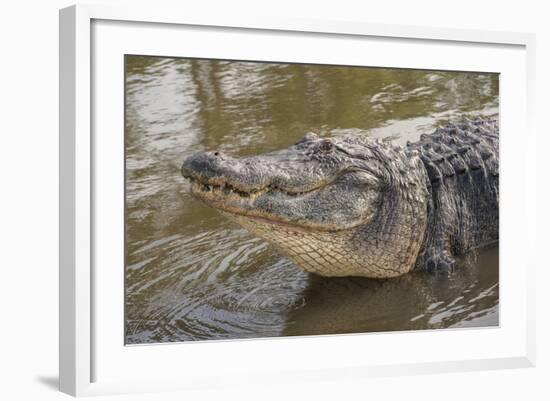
(216, 153)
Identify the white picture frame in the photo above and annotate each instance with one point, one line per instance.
(93, 360)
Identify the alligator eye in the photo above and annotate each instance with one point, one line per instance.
(326, 146)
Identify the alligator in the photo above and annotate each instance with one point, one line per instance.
(356, 206)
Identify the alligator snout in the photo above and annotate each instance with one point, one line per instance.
(217, 168)
(204, 166)
(289, 171)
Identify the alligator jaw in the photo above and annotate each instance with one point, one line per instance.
(235, 203)
(224, 196)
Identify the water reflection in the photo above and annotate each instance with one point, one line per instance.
(193, 275)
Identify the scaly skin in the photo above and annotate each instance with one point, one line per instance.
(354, 206)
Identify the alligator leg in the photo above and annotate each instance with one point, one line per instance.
(436, 260)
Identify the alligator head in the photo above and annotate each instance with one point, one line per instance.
(346, 206)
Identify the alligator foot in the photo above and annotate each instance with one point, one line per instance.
(440, 261)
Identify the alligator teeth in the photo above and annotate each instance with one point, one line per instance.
(227, 189)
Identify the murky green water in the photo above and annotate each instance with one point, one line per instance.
(193, 275)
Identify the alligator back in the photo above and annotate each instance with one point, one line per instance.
(462, 162)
